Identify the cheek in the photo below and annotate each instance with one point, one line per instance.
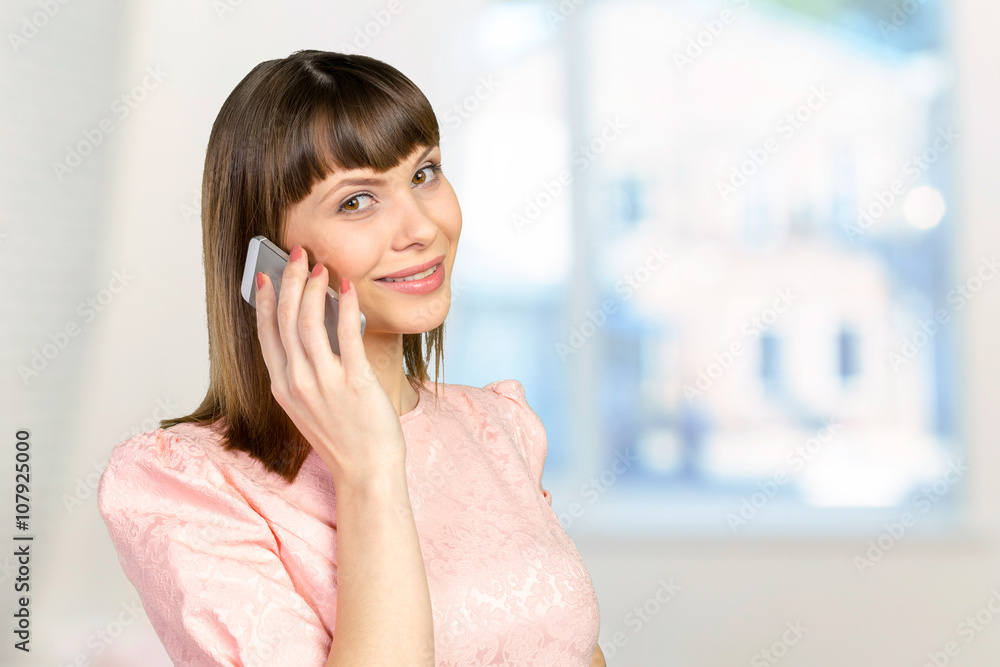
(451, 218)
(355, 257)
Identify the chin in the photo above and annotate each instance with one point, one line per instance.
(424, 327)
(409, 313)
(412, 325)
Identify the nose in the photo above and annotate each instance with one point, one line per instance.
(415, 223)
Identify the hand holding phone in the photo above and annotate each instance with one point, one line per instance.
(335, 400)
(267, 258)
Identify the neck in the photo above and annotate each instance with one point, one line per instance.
(385, 354)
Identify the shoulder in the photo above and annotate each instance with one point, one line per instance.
(169, 460)
(510, 395)
(503, 400)
(206, 563)
(504, 404)
(162, 494)
(507, 399)
(181, 447)
(493, 395)
(509, 389)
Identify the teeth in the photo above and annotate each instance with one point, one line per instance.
(415, 276)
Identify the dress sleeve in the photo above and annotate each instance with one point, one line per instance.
(204, 563)
(529, 432)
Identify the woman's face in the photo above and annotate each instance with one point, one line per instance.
(405, 217)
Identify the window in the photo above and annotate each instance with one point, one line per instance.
(724, 234)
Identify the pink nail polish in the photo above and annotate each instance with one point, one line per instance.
(296, 253)
(345, 285)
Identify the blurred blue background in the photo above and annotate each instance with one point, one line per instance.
(720, 229)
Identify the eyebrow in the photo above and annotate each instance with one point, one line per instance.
(365, 180)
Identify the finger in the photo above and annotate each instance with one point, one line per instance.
(352, 349)
(312, 324)
(298, 370)
(267, 326)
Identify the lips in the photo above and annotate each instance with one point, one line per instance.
(429, 283)
(416, 268)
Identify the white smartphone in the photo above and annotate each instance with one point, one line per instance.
(264, 256)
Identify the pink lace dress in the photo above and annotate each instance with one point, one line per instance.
(236, 567)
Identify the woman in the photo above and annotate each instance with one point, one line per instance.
(319, 509)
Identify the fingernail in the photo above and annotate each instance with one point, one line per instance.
(345, 285)
(318, 269)
(260, 280)
(296, 253)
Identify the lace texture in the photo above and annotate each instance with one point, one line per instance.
(236, 567)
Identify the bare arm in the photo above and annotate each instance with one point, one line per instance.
(598, 659)
(336, 402)
(383, 603)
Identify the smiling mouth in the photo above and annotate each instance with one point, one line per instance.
(415, 276)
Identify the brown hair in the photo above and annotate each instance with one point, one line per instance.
(286, 126)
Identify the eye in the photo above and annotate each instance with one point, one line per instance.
(353, 204)
(421, 177)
